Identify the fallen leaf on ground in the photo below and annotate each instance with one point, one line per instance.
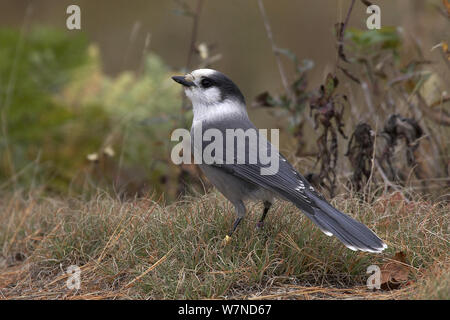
(447, 6)
(394, 273)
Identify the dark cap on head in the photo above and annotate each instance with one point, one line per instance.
(228, 89)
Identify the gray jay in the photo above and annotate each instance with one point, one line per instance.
(219, 104)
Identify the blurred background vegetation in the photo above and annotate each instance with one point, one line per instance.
(89, 109)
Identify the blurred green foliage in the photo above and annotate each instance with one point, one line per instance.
(57, 107)
(366, 41)
(33, 67)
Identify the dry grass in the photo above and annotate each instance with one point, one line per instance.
(145, 250)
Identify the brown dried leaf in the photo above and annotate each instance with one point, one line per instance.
(394, 273)
(263, 99)
(447, 6)
(445, 49)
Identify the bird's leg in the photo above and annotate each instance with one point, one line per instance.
(267, 206)
(240, 210)
(235, 224)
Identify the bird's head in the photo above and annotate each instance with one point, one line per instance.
(207, 87)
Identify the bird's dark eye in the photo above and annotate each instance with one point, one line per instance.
(206, 83)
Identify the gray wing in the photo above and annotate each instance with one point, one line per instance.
(292, 186)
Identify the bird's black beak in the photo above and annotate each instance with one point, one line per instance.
(182, 80)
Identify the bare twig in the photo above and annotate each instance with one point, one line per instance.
(184, 104)
(369, 181)
(341, 31)
(387, 181)
(147, 42)
(275, 50)
(157, 263)
(194, 33)
(132, 38)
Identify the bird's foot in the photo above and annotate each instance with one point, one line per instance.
(226, 240)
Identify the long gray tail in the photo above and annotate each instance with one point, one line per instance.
(355, 235)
